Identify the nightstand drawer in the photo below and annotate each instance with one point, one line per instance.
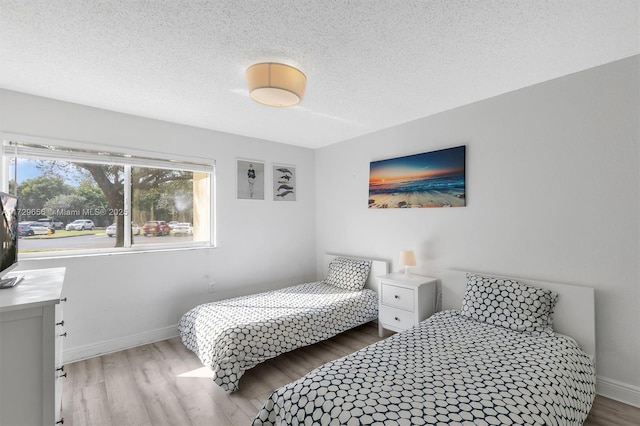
(394, 317)
(399, 297)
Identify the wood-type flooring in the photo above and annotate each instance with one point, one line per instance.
(164, 383)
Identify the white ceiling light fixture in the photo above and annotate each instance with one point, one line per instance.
(275, 84)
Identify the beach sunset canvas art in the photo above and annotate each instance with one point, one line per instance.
(430, 179)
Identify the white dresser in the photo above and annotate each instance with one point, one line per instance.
(31, 334)
(405, 300)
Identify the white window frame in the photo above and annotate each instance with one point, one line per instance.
(100, 154)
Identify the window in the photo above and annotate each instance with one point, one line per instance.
(73, 199)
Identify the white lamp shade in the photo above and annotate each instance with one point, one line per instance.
(407, 258)
(275, 84)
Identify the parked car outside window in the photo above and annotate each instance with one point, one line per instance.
(111, 230)
(80, 225)
(156, 228)
(27, 229)
(48, 225)
(51, 223)
(182, 228)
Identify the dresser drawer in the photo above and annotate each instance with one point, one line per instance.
(396, 318)
(399, 297)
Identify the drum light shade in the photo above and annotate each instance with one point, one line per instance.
(407, 258)
(275, 84)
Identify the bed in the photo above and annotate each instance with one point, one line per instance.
(485, 359)
(231, 336)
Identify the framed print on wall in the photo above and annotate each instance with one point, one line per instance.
(250, 180)
(284, 183)
(430, 179)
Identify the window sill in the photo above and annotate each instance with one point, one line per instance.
(112, 252)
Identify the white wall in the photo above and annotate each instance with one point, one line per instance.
(553, 193)
(124, 300)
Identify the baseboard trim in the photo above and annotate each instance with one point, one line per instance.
(119, 344)
(619, 391)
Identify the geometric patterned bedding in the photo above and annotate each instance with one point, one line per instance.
(231, 336)
(447, 370)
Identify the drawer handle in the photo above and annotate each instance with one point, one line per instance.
(60, 369)
(61, 323)
(64, 299)
(60, 422)
(396, 297)
(63, 334)
(62, 375)
(397, 319)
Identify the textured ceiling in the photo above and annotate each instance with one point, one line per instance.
(370, 64)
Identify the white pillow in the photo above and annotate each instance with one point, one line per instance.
(349, 274)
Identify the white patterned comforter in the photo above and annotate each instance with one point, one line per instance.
(234, 335)
(448, 370)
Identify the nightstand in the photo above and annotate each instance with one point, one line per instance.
(405, 300)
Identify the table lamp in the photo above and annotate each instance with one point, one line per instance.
(407, 258)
